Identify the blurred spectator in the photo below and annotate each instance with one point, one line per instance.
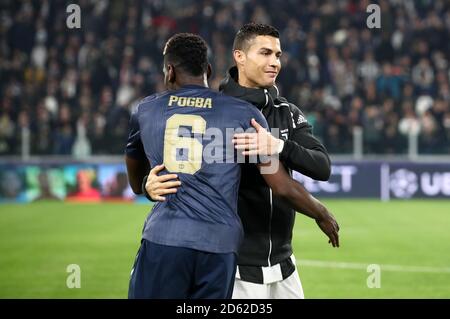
(64, 134)
(429, 138)
(409, 123)
(7, 128)
(373, 125)
(82, 146)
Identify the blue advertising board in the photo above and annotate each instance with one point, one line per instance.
(108, 182)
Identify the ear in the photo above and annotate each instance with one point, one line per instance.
(208, 71)
(171, 75)
(239, 57)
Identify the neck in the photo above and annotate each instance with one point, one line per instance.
(191, 80)
(245, 82)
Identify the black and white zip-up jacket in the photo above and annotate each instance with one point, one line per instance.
(268, 221)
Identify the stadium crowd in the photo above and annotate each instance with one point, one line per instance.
(74, 89)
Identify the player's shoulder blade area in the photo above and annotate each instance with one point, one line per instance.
(154, 98)
(233, 102)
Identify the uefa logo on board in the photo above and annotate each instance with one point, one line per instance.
(403, 183)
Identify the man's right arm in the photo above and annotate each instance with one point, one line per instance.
(283, 185)
(136, 170)
(135, 158)
(302, 201)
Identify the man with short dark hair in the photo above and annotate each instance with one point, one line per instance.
(190, 241)
(270, 271)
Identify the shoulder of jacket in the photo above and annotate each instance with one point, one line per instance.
(296, 113)
(282, 101)
(148, 101)
(236, 102)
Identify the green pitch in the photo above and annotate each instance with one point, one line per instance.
(410, 241)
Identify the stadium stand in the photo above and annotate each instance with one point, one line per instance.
(73, 89)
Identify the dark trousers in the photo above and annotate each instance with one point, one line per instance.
(167, 272)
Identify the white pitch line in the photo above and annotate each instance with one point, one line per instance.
(359, 266)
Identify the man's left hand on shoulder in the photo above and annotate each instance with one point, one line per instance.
(259, 143)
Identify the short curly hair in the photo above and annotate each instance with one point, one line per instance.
(187, 51)
(251, 30)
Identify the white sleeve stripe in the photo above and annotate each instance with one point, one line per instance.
(293, 122)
